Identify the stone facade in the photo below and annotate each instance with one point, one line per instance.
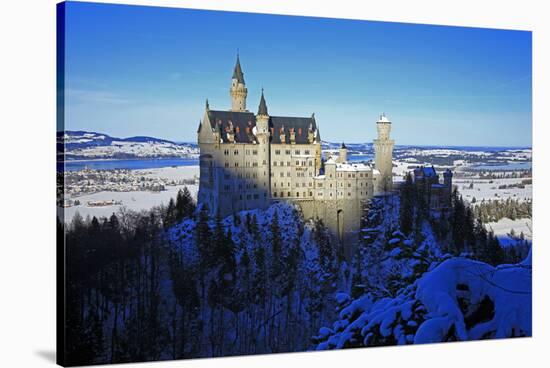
(248, 160)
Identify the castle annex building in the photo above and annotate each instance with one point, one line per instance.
(249, 160)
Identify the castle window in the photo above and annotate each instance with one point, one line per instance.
(282, 194)
(277, 152)
(236, 164)
(241, 197)
(288, 174)
(349, 185)
(226, 152)
(297, 194)
(282, 174)
(288, 194)
(320, 185)
(254, 164)
(297, 152)
(307, 152)
(236, 152)
(288, 163)
(297, 163)
(310, 163)
(287, 152)
(255, 196)
(275, 194)
(247, 152)
(226, 187)
(349, 194)
(254, 152)
(227, 164)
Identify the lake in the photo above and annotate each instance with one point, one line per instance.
(504, 166)
(127, 164)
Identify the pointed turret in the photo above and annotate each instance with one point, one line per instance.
(238, 72)
(238, 91)
(262, 109)
(207, 106)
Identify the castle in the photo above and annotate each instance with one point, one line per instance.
(437, 195)
(248, 161)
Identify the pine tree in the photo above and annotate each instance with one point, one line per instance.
(170, 217)
(406, 209)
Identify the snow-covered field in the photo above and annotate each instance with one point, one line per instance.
(489, 189)
(143, 200)
(503, 229)
(135, 149)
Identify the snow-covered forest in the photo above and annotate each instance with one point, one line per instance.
(175, 282)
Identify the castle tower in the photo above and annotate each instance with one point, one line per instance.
(262, 135)
(238, 89)
(343, 154)
(383, 152)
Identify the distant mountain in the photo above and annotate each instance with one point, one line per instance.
(83, 145)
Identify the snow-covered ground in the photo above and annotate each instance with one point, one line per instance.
(135, 149)
(503, 229)
(142, 200)
(489, 189)
(91, 145)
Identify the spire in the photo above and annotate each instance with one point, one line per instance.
(343, 145)
(207, 105)
(317, 135)
(262, 109)
(237, 72)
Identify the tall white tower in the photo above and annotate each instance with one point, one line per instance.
(383, 152)
(238, 89)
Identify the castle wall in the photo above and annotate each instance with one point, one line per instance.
(293, 167)
(342, 218)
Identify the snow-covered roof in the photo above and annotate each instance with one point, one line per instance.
(330, 161)
(353, 167)
(383, 119)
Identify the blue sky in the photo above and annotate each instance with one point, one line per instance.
(133, 70)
